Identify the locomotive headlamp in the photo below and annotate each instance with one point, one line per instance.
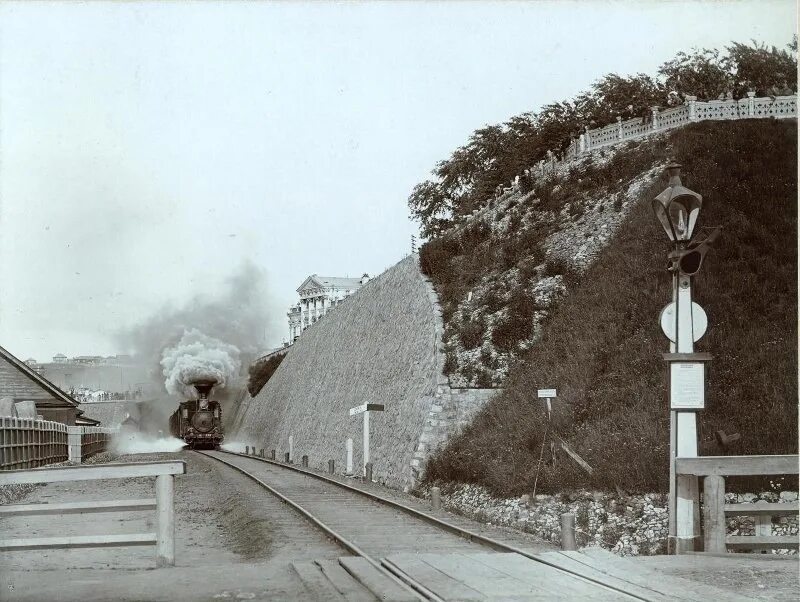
(203, 404)
(677, 207)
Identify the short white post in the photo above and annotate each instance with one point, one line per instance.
(619, 127)
(582, 144)
(692, 102)
(291, 448)
(654, 111)
(165, 520)
(349, 464)
(436, 499)
(366, 441)
(74, 434)
(751, 104)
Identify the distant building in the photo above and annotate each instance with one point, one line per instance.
(87, 359)
(31, 362)
(318, 295)
(59, 358)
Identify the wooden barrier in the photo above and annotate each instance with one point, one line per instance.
(164, 505)
(28, 443)
(714, 469)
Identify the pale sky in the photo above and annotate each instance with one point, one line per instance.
(147, 149)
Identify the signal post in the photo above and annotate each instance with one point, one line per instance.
(684, 323)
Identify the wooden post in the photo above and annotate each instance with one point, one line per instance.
(291, 449)
(165, 520)
(272, 454)
(568, 532)
(261, 452)
(246, 450)
(436, 498)
(366, 441)
(714, 513)
(286, 458)
(305, 461)
(763, 524)
(331, 466)
(368, 472)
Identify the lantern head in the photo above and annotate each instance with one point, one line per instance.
(677, 207)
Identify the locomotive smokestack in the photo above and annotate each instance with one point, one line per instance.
(203, 387)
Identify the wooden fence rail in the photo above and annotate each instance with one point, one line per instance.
(30, 443)
(164, 505)
(714, 469)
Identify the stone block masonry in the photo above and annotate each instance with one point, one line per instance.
(383, 345)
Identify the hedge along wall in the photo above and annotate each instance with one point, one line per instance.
(382, 345)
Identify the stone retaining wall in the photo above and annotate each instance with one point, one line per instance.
(382, 345)
(630, 526)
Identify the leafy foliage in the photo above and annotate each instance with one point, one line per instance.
(601, 346)
(495, 154)
(261, 371)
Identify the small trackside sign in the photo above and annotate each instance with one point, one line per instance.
(366, 407)
(547, 393)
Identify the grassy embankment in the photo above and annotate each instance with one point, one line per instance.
(601, 345)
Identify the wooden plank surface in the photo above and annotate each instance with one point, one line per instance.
(490, 582)
(744, 542)
(433, 579)
(675, 588)
(77, 507)
(78, 541)
(738, 465)
(88, 473)
(787, 509)
(344, 582)
(380, 584)
(318, 585)
(548, 582)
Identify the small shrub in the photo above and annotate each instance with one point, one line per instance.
(471, 333)
(260, 372)
(450, 363)
(555, 266)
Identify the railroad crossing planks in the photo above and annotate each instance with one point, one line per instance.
(380, 584)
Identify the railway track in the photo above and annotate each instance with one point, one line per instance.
(390, 536)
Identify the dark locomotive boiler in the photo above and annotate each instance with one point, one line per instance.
(198, 421)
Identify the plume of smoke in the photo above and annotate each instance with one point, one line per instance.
(236, 313)
(198, 356)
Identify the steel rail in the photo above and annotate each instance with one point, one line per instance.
(404, 581)
(444, 525)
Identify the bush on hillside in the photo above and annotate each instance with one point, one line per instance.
(261, 371)
(601, 348)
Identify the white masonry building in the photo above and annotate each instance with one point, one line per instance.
(318, 295)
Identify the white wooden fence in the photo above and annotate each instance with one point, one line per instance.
(163, 503)
(29, 443)
(714, 469)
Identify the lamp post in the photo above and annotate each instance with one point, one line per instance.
(683, 322)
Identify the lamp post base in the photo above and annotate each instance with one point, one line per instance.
(682, 545)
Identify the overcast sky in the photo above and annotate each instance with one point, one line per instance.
(148, 149)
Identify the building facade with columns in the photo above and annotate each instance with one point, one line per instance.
(318, 295)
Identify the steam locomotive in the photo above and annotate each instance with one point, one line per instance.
(198, 421)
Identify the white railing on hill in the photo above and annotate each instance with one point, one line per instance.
(693, 110)
(28, 443)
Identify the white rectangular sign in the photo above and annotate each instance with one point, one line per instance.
(366, 407)
(547, 393)
(687, 386)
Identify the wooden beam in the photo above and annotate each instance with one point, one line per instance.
(81, 541)
(737, 465)
(90, 473)
(744, 542)
(77, 507)
(787, 509)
